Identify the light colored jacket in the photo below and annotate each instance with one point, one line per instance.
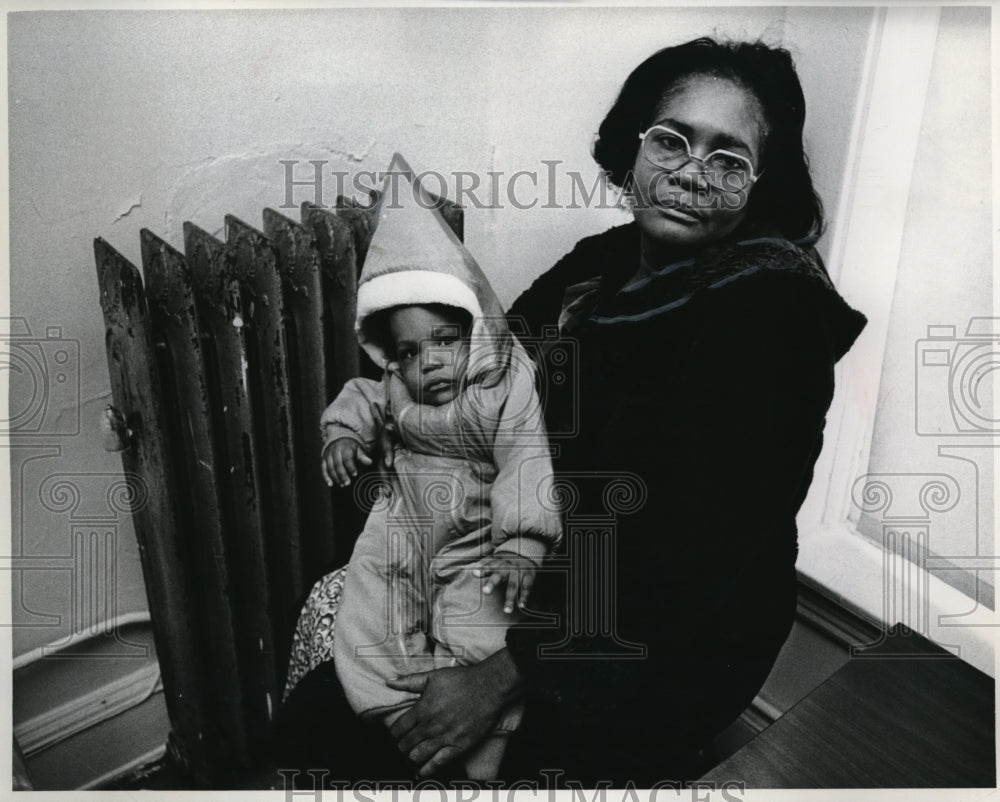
(470, 478)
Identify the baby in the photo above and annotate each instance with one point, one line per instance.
(465, 510)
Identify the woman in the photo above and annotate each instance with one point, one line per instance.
(707, 331)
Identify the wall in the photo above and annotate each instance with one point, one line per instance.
(124, 120)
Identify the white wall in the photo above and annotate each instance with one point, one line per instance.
(120, 121)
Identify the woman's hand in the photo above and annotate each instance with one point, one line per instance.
(514, 570)
(457, 708)
(340, 461)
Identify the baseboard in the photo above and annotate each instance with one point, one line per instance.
(832, 618)
(878, 586)
(132, 767)
(111, 749)
(832, 621)
(760, 715)
(93, 707)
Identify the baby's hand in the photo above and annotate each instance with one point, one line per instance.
(340, 461)
(517, 571)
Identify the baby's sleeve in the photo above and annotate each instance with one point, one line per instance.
(423, 428)
(526, 519)
(350, 413)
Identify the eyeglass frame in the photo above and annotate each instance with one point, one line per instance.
(754, 176)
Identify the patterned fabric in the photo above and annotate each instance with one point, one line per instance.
(594, 285)
(313, 640)
(680, 282)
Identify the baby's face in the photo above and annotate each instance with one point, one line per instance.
(431, 352)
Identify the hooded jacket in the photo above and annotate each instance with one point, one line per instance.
(470, 477)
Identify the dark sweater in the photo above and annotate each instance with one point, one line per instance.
(710, 383)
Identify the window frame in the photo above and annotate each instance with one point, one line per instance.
(864, 258)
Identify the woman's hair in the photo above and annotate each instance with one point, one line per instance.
(783, 197)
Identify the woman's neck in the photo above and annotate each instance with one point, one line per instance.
(655, 255)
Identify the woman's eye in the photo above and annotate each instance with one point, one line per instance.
(407, 353)
(670, 142)
(727, 161)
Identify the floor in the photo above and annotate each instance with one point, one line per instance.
(809, 657)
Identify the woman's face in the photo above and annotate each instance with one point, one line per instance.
(680, 207)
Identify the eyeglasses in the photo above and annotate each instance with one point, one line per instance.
(664, 147)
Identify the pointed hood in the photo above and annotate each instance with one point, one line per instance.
(415, 258)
